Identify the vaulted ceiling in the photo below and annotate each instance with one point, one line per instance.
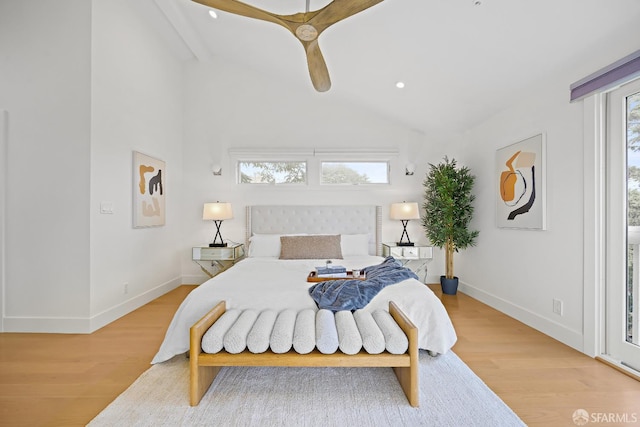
(460, 61)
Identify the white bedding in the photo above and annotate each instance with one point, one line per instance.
(271, 283)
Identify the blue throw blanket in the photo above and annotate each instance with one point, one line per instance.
(353, 294)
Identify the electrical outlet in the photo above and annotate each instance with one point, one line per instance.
(106, 207)
(126, 288)
(557, 306)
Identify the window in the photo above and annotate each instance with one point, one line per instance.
(354, 173)
(286, 172)
(313, 167)
(622, 287)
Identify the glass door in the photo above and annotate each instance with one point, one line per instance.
(622, 335)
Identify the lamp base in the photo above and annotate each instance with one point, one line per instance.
(217, 245)
(404, 243)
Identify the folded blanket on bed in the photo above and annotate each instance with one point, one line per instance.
(353, 294)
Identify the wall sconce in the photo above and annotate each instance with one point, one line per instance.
(217, 212)
(410, 168)
(216, 169)
(404, 212)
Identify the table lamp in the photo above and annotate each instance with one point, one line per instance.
(217, 212)
(404, 212)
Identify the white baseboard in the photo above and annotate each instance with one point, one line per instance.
(194, 279)
(114, 313)
(83, 325)
(555, 330)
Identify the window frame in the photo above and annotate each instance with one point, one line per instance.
(313, 159)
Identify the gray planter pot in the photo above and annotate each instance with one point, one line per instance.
(449, 286)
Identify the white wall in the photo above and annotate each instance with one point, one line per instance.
(100, 84)
(136, 105)
(84, 84)
(4, 120)
(45, 87)
(229, 106)
(521, 272)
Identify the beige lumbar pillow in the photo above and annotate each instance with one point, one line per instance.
(310, 247)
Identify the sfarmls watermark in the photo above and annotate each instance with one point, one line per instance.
(581, 417)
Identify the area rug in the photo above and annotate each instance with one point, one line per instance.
(450, 395)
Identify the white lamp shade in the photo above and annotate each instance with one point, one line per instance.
(217, 211)
(404, 211)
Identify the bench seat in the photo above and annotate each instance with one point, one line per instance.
(205, 366)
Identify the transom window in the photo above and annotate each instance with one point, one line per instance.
(285, 172)
(354, 173)
(313, 167)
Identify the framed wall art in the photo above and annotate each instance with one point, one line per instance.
(148, 191)
(521, 195)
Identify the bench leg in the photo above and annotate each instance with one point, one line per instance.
(408, 379)
(200, 381)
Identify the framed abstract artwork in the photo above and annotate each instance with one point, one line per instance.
(521, 195)
(148, 191)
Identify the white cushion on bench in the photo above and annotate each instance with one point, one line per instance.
(304, 333)
(326, 332)
(235, 340)
(350, 341)
(396, 341)
(213, 339)
(238, 330)
(282, 334)
(260, 334)
(372, 337)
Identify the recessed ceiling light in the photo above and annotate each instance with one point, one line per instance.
(400, 85)
(213, 14)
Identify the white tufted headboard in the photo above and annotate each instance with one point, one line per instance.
(317, 220)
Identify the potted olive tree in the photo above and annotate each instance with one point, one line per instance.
(448, 205)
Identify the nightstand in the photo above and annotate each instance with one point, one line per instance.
(215, 260)
(413, 257)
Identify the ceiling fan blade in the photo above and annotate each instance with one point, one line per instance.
(243, 9)
(317, 67)
(338, 10)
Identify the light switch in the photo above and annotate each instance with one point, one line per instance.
(106, 207)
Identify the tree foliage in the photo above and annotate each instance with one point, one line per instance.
(633, 144)
(276, 172)
(633, 122)
(341, 174)
(448, 205)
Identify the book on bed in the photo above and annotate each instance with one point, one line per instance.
(335, 271)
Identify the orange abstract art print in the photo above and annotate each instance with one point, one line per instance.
(148, 191)
(521, 191)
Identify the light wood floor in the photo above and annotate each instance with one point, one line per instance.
(65, 380)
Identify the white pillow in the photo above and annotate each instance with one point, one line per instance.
(354, 244)
(266, 245)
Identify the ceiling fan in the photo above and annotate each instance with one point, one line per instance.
(305, 26)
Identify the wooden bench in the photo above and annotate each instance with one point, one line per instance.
(205, 366)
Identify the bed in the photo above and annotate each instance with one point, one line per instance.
(264, 281)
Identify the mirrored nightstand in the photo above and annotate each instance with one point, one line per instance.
(214, 260)
(413, 257)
